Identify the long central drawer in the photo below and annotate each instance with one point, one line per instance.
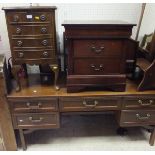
(88, 104)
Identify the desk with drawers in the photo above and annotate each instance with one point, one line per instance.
(40, 107)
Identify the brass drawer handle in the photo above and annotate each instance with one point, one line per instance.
(20, 54)
(143, 117)
(18, 30)
(145, 104)
(35, 120)
(19, 43)
(44, 42)
(42, 17)
(43, 30)
(95, 68)
(90, 105)
(97, 51)
(34, 107)
(45, 54)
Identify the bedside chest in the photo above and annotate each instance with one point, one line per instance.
(32, 36)
(99, 54)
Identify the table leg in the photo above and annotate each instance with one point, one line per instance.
(152, 137)
(22, 139)
(15, 70)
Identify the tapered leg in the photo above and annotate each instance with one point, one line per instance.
(22, 139)
(55, 69)
(15, 70)
(152, 137)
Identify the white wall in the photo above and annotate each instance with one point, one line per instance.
(148, 22)
(126, 12)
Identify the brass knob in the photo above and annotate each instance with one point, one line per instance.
(44, 42)
(45, 54)
(19, 43)
(42, 17)
(20, 54)
(18, 30)
(43, 30)
(15, 18)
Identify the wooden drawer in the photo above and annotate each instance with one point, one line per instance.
(19, 43)
(88, 104)
(97, 48)
(43, 120)
(29, 16)
(91, 66)
(29, 30)
(27, 106)
(137, 117)
(138, 103)
(34, 53)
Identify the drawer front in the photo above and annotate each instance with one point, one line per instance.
(19, 30)
(97, 66)
(33, 42)
(97, 48)
(43, 120)
(34, 53)
(139, 103)
(34, 106)
(137, 117)
(29, 16)
(89, 104)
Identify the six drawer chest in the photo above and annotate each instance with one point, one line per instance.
(98, 54)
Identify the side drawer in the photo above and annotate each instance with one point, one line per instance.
(34, 120)
(138, 103)
(89, 103)
(38, 105)
(137, 117)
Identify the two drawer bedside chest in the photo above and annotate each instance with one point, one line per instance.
(32, 36)
(99, 54)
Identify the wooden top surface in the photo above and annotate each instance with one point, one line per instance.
(29, 8)
(96, 22)
(36, 90)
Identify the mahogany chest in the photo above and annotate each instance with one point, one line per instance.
(32, 36)
(100, 54)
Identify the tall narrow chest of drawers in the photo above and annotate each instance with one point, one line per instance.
(100, 53)
(32, 36)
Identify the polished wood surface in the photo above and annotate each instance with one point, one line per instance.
(35, 89)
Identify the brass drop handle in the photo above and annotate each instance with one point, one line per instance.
(44, 42)
(18, 30)
(35, 120)
(45, 54)
(90, 105)
(34, 107)
(145, 104)
(15, 18)
(42, 17)
(20, 54)
(95, 68)
(94, 49)
(143, 117)
(19, 43)
(43, 30)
